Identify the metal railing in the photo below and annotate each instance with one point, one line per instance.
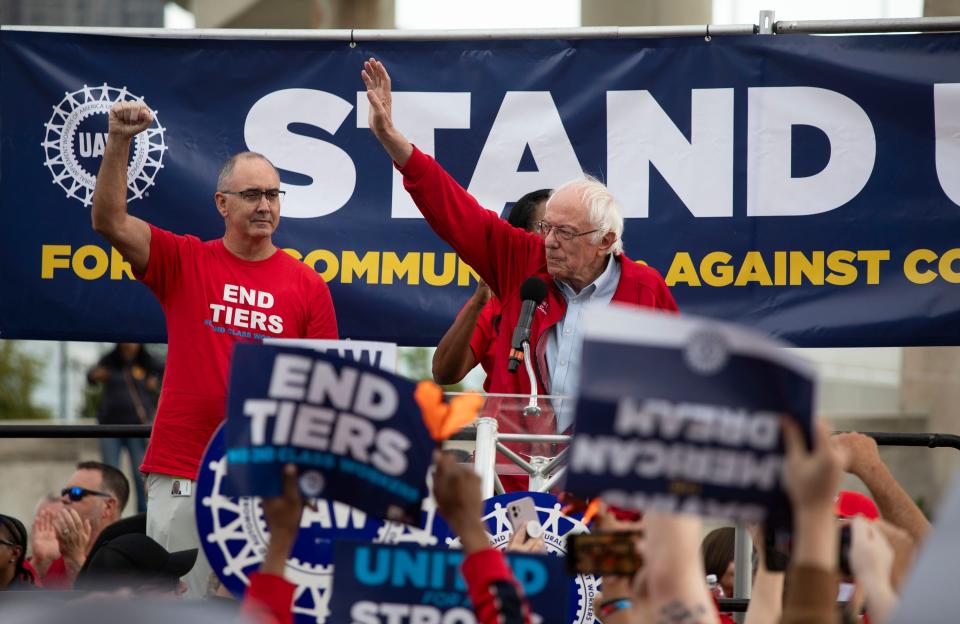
(47, 430)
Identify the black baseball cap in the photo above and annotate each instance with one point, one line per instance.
(137, 561)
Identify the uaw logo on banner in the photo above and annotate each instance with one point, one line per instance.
(682, 414)
(556, 527)
(77, 134)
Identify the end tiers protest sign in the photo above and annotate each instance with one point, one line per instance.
(355, 432)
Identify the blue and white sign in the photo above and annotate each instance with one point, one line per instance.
(414, 585)
(681, 414)
(355, 432)
(802, 186)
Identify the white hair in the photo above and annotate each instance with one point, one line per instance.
(603, 210)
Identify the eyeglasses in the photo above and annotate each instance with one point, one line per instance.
(253, 196)
(8, 543)
(77, 493)
(560, 231)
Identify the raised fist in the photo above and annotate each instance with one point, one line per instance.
(128, 119)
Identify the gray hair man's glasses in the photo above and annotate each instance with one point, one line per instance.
(253, 196)
(562, 232)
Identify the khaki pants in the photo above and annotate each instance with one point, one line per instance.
(172, 523)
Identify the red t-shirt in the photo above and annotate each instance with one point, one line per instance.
(213, 299)
(56, 576)
(485, 336)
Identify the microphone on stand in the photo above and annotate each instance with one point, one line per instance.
(532, 292)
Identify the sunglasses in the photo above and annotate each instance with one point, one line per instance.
(76, 493)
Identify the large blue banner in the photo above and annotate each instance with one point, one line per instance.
(803, 186)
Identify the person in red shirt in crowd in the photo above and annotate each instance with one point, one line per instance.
(93, 498)
(214, 294)
(472, 338)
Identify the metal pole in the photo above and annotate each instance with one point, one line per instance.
(532, 409)
(74, 431)
(537, 477)
(855, 26)
(883, 25)
(742, 565)
(373, 35)
(533, 437)
(484, 462)
(524, 464)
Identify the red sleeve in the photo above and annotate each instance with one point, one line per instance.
(496, 596)
(32, 570)
(164, 265)
(322, 318)
(56, 576)
(484, 333)
(269, 599)
(501, 254)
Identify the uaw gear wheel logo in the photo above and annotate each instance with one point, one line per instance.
(234, 537)
(706, 351)
(556, 528)
(76, 135)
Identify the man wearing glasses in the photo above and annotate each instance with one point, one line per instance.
(577, 251)
(93, 498)
(214, 293)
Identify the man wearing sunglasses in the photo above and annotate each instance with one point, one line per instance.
(93, 498)
(215, 293)
(576, 249)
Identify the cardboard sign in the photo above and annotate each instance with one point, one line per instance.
(382, 355)
(355, 432)
(683, 414)
(412, 584)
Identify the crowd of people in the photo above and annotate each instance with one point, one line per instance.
(218, 292)
(82, 544)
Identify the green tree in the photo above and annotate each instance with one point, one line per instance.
(416, 363)
(19, 375)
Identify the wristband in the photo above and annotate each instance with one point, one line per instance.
(612, 606)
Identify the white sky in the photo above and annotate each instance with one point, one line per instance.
(452, 14)
(748, 11)
(175, 16)
(566, 13)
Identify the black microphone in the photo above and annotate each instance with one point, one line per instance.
(532, 292)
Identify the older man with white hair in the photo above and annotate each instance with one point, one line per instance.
(577, 251)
